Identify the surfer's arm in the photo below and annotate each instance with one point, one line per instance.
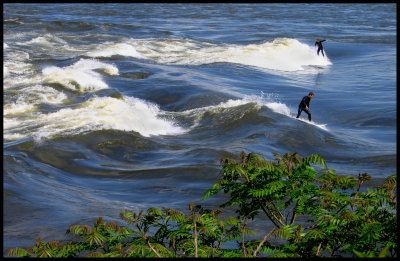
(303, 103)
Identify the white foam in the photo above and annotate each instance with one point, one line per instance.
(5, 71)
(9, 123)
(18, 68)
(22, 80)
(47, 40)
(98, 113)
(43, 94)
(17, 55)
(283, 54)
(110, 49)
(18, 107)
(16, 63)
(38, 40)
(80, 75)
(29, 97)
(278, 107)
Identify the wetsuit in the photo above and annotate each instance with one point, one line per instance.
(320, 47)
(305, 102)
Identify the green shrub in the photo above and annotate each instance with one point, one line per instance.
(340, 220)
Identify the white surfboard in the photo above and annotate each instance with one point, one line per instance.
(322, 126)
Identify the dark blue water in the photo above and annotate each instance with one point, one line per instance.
(114, 106)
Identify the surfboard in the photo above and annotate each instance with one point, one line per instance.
(321, 126)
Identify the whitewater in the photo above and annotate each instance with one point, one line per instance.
(23, 118)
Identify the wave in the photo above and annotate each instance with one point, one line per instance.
(110, 49)
(47, 40)
(16, 63)
(127, 114)
(229, 111)
(224, 108)
(282, 54)
(97, 113)
(80, 75)
(29, 97)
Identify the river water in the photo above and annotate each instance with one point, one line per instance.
(109, 107)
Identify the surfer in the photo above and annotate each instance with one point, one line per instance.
(320, 47)
(304, 104)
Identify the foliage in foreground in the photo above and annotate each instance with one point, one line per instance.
(312, 214)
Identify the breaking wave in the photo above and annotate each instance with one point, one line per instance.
(98, 113)
(282, 54)
(80, 75)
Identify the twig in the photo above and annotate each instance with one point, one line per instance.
(262, 242)
(243, 246)
(152, 249)
(318, 249)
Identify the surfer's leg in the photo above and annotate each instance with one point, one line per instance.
(322, 51)
(298, 113)
(309, 114)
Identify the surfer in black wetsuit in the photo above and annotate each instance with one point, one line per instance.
(320, 47)
(304, 104)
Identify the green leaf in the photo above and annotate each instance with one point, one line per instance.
(20, 252)
(95, 238)
(384, 252)
(154, 211)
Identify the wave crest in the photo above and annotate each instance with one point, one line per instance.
(98, 113)
(80, 75)
(284, 54)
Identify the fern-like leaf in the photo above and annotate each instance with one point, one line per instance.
(79, 229)
(113, 226)
(19, 252)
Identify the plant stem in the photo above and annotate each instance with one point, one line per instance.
(146, 239)
(276, 218)
(152, 249)
(195, 240)
(262, 242)
(266, 213)
(280, 213)
(243, 246)
(319, 248)
(294, 213)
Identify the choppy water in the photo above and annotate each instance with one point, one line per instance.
(113, 106)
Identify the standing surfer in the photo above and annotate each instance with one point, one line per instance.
(304, 104)
(320, 47)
